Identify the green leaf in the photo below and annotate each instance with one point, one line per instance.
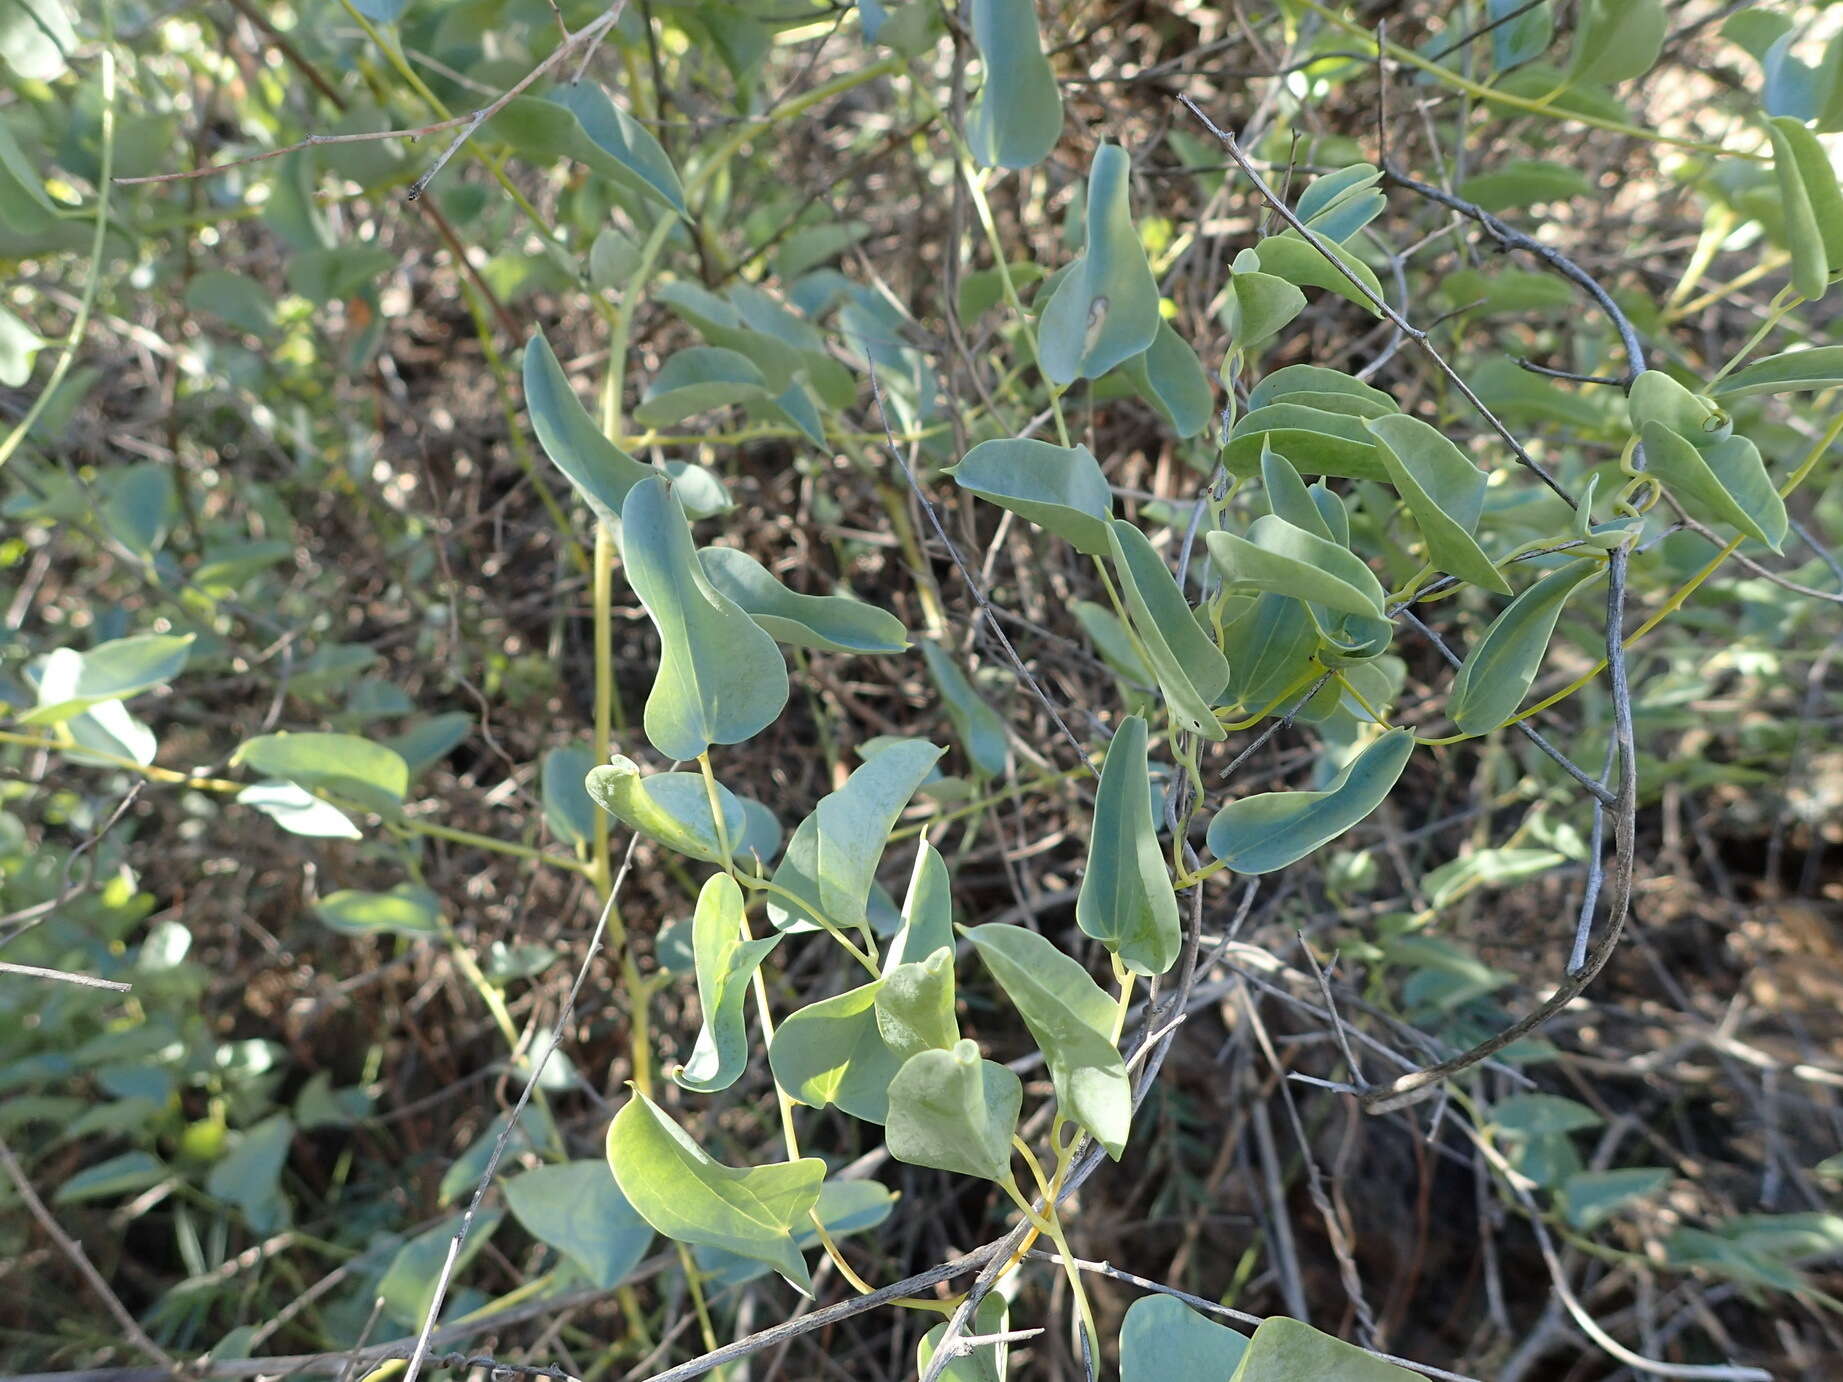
(1275, 556)
(1283, 1350)
(1804, 235)
(1170, 377)
(672, 808)
(138, 505)
(1105, 309)
(1300, 263)
(915, 1006)
(1656, 397)
(1126, 900)
(233, 298)
(696, 380)
(1520, 33)
(725, 963)
(1058, 488)
(987, 1363)
(954, 1112)
(406, 910)
(355, 769)
(119, 1175)
(578, 1209)
(568, 808)
(408, 1284)
(721, 680)
(750, 322)
(833, 1052)
(677, 1188)
(19, 348)
(977, 726)
(1017, 116)
(1288, 497)
(578, 121)
(1815, 368)
(1315, 386)
(601, 472)
(1820, 182)
(1163, 1339)
(249, 1175)
(1108, 633)
(1616, 39)
(1190, 671)
(1259, 834)
(1723, 482)
(1491, 868)
(1590, 1198)
(70, 682)
(1542, 1115)
(1317, 441)
(831, 861)
(927, 911)
(1258, 306)
(35, 37)
(1444, 491)
(1271, 649)
(829, 623)
(1497, 673)
(299, 812)
(1523, 182)
(1072, 1019)
(1335, 206)
(533, 1130)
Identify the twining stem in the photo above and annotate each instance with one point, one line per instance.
(1125, 978)
(1781, 304)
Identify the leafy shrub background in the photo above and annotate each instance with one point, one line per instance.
(281, 412)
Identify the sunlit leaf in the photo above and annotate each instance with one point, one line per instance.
(1723, 482)
(1170, 377)
(1317, 442)
(1444, 491)
(70, 682)
(672, 808)
(725, 961)
(345, 765)
(1105, 309)
(1284, 1350)
(1805, 235)
(833, 1052)
(829, 623)
(915, 1005)
(568, 809)
(1261, 833)
(406, 910)
(1498, 671)
(927, 911)
(954, 1112)
(1315, 386)
(1277, 557)
(601, 472)
(1300, 263)
(1190, 671)
(1058, 488)
(1126, 901)
(1819, 367)
(1616, 39)
(1258, 305)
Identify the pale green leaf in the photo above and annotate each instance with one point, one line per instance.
(986, 1363)
(1444, 491)
(1105, 309)
(578, 1209)
(1721, 482)
(828, 623)
(1318, 441)
(1315, 386)
(725, 963)
(1258, 305)
(1301, 264)
(1170, 377)
(833, 1052)
(1017, 116)
(954, 1112)
(1058, 488)
(1804, 235)
(1590, 1198)
(696, 380)
(927, 911)
(406, 910)
(976, 725)
(345, 765)
(915, 1006)
(568, 809)
(70, 682)
(1162, 1340)
(1616, 39)
(1126, 900)
(1282, 559)
(1284, 1350)
(249, 1175)
(1523, 182)
(672, 808)
(601, 472)
(1816, 368)
(1498, 671)
(408, 1284)
(1190, 671)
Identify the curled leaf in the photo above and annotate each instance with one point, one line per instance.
(829, 623)
(1126, 900)
(725, 961)
(1262, 833)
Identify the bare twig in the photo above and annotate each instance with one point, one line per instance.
(64, 976)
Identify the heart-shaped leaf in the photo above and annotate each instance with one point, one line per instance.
(1126, 900)
(954, 1112)
(829, 623)
(1058, 488)
(725, 962)
(1499, 670)
(1017, 116)
(1270, 647)
(1259, 305)
(1444, 491)
(1105, 309)
(1719, 482)
(578, 1209)
(1275, 556)
(833, 1052)
(677, 1187)
(831, 861)
(672, 808)
(1262, 833)
(721, 680)
(1161, 1339)
(1190, 671)
(1315, 386)
(1300, 263)
(1072, 1019)
(1289, 498)
(915, 1006)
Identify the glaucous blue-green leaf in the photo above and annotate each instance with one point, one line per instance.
(579, 121)
(70, 682)
(1819, 367)
(35, 37)
(1335, 206)
(833, 1052)
(1804, 234)
(578, 1209)
(601, 472)
(1723, 482)
(1058, 488)
(1300, 263)
(1072, 1019)
(1270, 647)
(1258, 305)
(1190, 671)
(725, 962)
(1444, 491)
(1316, 386)
(1523, 182)
(721, 680)
(1500, 668)
(568, 808)
(1017, 116)
(831, 861)
(1126, 900)
(1491, 868)
(987, 1362)
(677, 1187)
(976, 725)
(1590, 1198)
(233, 298)
(1819, 178)
(319, 1105)
(1170, 377)
(1163, 1339)
(927, 911)
(1288, 497)
(408, 1285)
(915, 1006)
(954, 1112)
(1261, 833)
(1112, 641)
(796, 406)
(249, 1175)
(697, 379)
(138, 503)
(672, 808)
(750, 322)
(119, 1175)
(1615, 40)
(1105, 309)
(1286, 1350)
(1317, 441)
(1278, 557)
(1522, 32)
(406, 910)
(829, 623)
(345, 765)
(533, 1130)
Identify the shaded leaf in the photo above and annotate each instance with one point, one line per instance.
(988, 1362)
(1017, 116)
(1444, 491)
(954, 1112)
(977, 726)
(568, 809)
(406, 910)
(1126, 900)
(1277, 557)
(1170, 377)
(1616, 39)
(1105, 309)
(407, 1287)
(829, 623)
(1723, 482)
(725, 961)
(1815, 368)
(1162, 1339)
(1058, 488)
(1590, 1198)
(1190, 671)
(1498, 671)
(1259, 834)
(696, 380)
(578, 1209)
(1284, 1350)
(601, 472)
(1805, 237)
